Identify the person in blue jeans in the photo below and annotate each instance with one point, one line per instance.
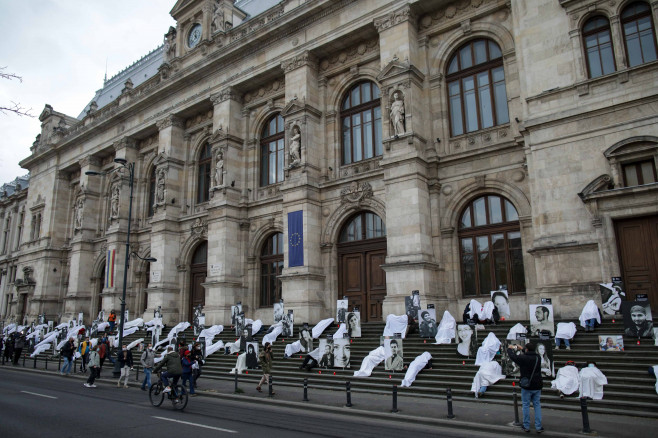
(530, 366)
(147, 360)
(187, 363)
(67, 355)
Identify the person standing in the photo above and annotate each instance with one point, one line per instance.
(197, 356)
(103, 352)
(125, 358)
(187, 363)
(94, 366)
(530, 367)
(265, 358)
(19, 343)
(67, 354)
(147, 360)
(112, 319)
(84, 349)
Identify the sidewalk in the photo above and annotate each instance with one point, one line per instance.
(475, 415)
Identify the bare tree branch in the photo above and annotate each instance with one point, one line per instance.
(9, 76)
(15, 108)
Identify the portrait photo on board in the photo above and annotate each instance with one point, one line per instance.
(342, 353)
(611, 343)
(466, 340)
(612, 296)
(235, 311)
(306, 338)
(427, 325)
(239, 324)
(412, 307)
(354, 324)
(341, 310)
(288, 324)
(500, 299)
(327, 351)
(509, 367)
(252, 355)
(638, 322)
(544, 349)
(278, 311)
(394, 355)
(541, 319)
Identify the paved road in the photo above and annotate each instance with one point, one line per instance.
(52, 406)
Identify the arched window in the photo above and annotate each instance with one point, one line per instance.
(203, 181)
(363, 226)
(490, 247)
(476, 87)
(151, 198)
(598, 47)
(639, 34)
(361, 121)
(271, 151)
(271, 266)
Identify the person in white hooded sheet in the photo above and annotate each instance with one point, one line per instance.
(590, 316)
(489, 373)
(567, 380)
(591, 382)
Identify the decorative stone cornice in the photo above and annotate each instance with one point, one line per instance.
(394, 18)
(89, 160)
(302, 60)
(224, 95)
(168, 121)
(125, 143)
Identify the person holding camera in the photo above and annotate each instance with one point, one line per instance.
(531, 382)
(265, 358)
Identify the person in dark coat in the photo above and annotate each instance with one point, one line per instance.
(173, 365)
(19, 343)
(67, 354)
(125, 358)
(530, 366)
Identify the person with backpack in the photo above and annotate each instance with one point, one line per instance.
(531, 382)
(147, 360)
(84, 348)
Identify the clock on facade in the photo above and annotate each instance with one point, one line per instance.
(194, 36)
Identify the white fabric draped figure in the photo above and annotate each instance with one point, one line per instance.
(102, 326)
(160, 356)
(61, 326)
(315, 354)
(475, 307)
(316, 331)
(488, 350)
(134, 344)
(209, 334)
(565, 330)
(36, 331)
(293, 348)
(414, 368)
(41, 348)
(126, 332)
(240, 364)
(255, 325)
(591, 383)
(181, 326)
(489, 373)
(655, 372)
(153, 322)
(518, 328)
(341, 331)
(487, 310)
(567, 380)
(396, 324)
(12, 327)
(134, 323)
(44, 345)
(271, 336)
(446, 332)
(589, 311)
(219, 345)
(374, 358)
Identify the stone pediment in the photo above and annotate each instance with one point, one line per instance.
(181, 5)
(395, 69)
(600, 184)
(47, 111)
(163, 158)
(221, 136)
(296, 106)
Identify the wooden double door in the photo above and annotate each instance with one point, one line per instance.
(637, 241)
(361, 278)
(197, 292)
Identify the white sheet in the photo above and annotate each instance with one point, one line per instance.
(487, 310)
(219, 345)
(518, 328)
(181, 326)
(316, 332)
(293, 348)
(271, 337)
(488, 350)
(126, 332)
(476, 307)
(211, 332)
(655, 372)
(39, 349)
(591, 383)
(589, 311)
(315, 354)
(488, 374)
(134, 323)
(567, 380)
(60, 326)
(341, 331)
(11, 327)
(240, 364)
(135, 343)
(446, 331)
(396, 324)
(102, 326)
(414, 368)
(255, 325)
(565, 330)
(374, 358)
(155, 322)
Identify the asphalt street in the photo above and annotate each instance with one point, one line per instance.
(47, 405)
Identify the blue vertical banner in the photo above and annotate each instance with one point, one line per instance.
(296, 238)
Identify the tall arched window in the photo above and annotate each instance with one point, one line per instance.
(361, 227)
(490, 247)
(639, 34)
(598, 47)
(203, 168)
(271, 266)
(151, 198)
(271, 151)
(476, 87)
(361, 121)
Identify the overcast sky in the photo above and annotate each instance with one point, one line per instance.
(60, 49)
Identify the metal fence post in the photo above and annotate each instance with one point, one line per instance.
(516, 407)
(583, 411)
(349, 394)
(305, 390)
(395, 399)
(449, 400)
(270, 391)
(236, 381)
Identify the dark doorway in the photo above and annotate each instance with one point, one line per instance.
(198, 271)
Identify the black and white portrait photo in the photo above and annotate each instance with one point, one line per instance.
(235, 311)
(354, 324)
(342, 353)
(306, 338)
(509, 368)
(252, 355)
(239, 324)
(500, 299)
(412, 306)
(544, 349)
(341, 310)
(638, 322)
(427, 325)
(288, 324)
(612, 296)
(541, 319)
(611, 343)
(278, 311)
(394, 355)
(466, 340)
(327, 351)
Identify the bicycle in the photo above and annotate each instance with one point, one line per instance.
(177, 395)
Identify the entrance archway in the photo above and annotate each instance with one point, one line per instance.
(198, 272)
(361, 252)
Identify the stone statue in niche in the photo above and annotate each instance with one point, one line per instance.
(295, 146)
(79, 206)
(217, 22)
(160, 187)
(114, 202)
(170, 44)
(397, 114)
(218, 177)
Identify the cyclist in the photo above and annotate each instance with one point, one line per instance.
(172, 362)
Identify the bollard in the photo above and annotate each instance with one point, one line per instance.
(236, 382)
(270, 392)
(449, 399)
(395, 399)
(583, 411)
(46, 363)
(24, 361)
(35, 363)
(516, 423)
(305, 390)
(349, 394)
(137, 375)
(59, 363)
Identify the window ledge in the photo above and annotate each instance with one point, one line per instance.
(478, 139)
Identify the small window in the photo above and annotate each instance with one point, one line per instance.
(639, 173)
(271, 266)
(203, 182)
(361, 123)
(272, 151)
(598, 47)
(639, 34)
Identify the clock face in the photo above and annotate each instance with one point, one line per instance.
(194, 36)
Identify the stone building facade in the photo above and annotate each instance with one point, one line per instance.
(307, 150)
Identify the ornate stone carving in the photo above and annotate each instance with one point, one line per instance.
(199, 227)
(89, 160)
(169, 51)
(397, 17)
(78, 213)
(397, 113)
(305, 59)
(273, 88)
(124, 143)
(218, 176)
(356, 192)
(355, 52)
(222, 96)
(115, 195)
(160, 186)
(217, 22)
(453, 10)
(169, 121)
(295, 147)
